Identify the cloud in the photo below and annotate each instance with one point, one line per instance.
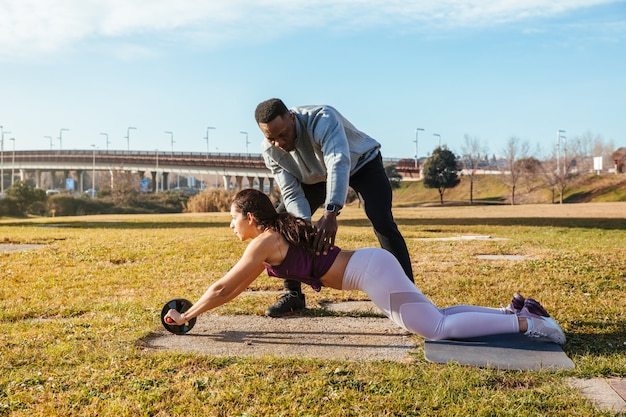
(32, 27)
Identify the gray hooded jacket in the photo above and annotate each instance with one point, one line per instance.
(328, 148)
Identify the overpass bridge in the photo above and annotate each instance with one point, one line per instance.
(42, 168)
(155, 168)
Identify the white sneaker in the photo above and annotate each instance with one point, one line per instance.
(545, 327)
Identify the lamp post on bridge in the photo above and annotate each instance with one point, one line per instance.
(207, 140)
(247, 143)
(416, 154)
(61, 137)
(128, 138)
(171, 140)
(13, 163)
(93, 173)
(439, 136)
(172, 155)
(107, 140)
(217, 178)
(50, 138)
(2, 133)
(156, 176)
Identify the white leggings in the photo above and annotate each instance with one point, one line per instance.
(377, 272)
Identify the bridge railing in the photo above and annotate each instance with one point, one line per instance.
(196, 159)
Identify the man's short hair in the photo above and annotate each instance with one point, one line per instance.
(268, 110)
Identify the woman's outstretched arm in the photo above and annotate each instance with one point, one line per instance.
(246, 270)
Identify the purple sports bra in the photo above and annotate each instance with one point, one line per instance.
(300, 265)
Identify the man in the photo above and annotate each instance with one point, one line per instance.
(314, 154)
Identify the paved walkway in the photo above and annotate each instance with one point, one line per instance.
(17, 247)
(607, 394)
(340, 338)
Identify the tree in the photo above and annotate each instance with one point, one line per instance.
(570, 158)
(124, 188)
(619, 160)
(531, 170)
(441, 171)
(392, 175)
(514, 151)
(472, 150)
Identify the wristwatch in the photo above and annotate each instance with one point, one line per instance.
(333, 207)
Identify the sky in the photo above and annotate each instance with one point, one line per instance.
(119, 74)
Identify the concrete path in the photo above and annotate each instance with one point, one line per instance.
(339, 338)
(17, 247)
(607, 394)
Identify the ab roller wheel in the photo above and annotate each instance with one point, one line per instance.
(181, 305)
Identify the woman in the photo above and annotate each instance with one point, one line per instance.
(283, 245)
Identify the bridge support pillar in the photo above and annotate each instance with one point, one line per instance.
(81, 179)
(250, 182)
(239, 182)
(37, 178)
(55, 180)
(226, 182)
(66, 175)
(153, 181)
(261, 183)
(271, 181)
(165, 178)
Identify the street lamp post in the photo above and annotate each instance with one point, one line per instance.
(217, 177)
(172, 155)
(207, 140)
(156, 176)
(564, 154)
(171, 140)
(439, 136)
(50, 138)
(128, 138)
(416, 154)
(93, 173)
(247, 143)
(61, 137)
(13, 163)
(107, 139)
(558, 151)
(2, 133)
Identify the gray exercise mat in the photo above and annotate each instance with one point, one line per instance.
(511, 352)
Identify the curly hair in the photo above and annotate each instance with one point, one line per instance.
(268, 110)
(296, 230)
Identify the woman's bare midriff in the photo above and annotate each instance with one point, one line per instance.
(334, 277)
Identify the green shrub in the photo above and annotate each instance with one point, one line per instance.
(20, 199)
(66, 205)
(9, 207)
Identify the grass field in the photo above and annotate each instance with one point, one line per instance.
(73, 314)
(490, 189)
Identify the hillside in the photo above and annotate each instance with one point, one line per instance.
(489, 189)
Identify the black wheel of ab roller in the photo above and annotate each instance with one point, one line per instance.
(181, 305)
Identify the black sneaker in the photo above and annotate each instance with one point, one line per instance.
(290, 303)
(534, 308)
(516, 305)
